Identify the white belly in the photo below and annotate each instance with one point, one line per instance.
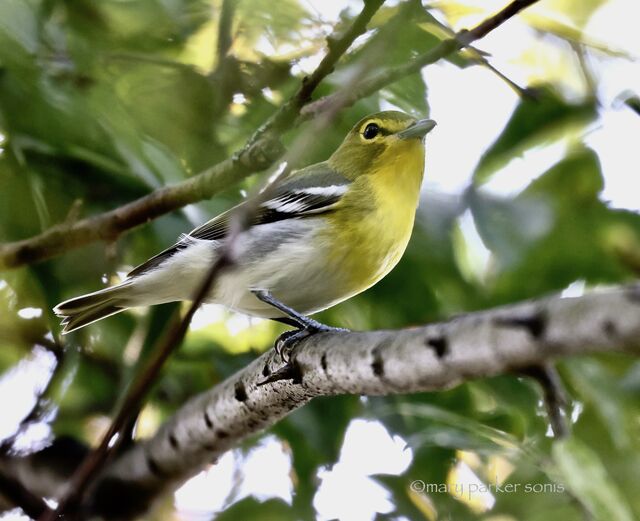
(291, 264)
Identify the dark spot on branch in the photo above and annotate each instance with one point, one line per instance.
(222, 434)
(240, 392)
(609, 328)
(208, 420)
(173, 441)
(209, 447)
(265, 370)
(290, 371)
(377, 366)
(296, 372)
(439, 344)
(323, 362)
(252, 423)
(534, 324)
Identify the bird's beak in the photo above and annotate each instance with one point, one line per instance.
(418, 130)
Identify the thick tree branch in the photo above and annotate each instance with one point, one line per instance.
(428, 358)
(260, 152)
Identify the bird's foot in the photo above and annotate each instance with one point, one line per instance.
(287, 341)
(285, 347)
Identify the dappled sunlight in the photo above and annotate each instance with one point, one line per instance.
(263, 473)
(471, 253)
(14, 515)
(235, 332)
(347, 491)
(467, 487)
(24, 383)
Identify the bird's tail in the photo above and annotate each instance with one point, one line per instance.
(86, 309)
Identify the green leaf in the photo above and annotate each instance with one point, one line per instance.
(578, 11)
(538, 120)
(555, 232)
(18, 30)
(586, 477)
(409, 94)
(251, 508)
(633, 102)
(259, 17)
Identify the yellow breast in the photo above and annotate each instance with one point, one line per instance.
(380, 210)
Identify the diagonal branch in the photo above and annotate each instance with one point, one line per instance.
(132, 403)
(427, 358)
(261, 150)
(458, 41)
(108, 225)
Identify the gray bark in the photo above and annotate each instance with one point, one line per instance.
(428, 358)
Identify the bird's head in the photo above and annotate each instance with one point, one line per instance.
(381, 139)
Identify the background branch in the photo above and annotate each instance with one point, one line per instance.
(458, 41)
(134, 398)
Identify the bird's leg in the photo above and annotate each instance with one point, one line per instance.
(305, 326)
(286, 320)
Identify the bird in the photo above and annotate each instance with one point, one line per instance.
(324, 233)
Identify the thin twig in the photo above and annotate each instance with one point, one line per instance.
(480, 58)
(461, 39)
(554, 396)
(497, 19)
(136, 394)
(289, 112)
(109, 225)
(225, 25)
(226, 70)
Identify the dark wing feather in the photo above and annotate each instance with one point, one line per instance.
(296, 196)
(289, 200)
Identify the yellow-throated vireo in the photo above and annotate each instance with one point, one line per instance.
(326, 233)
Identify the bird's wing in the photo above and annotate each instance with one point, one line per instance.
(311, 191)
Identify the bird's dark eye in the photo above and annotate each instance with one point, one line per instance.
(371, 131)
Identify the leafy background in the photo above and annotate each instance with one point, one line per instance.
(101, 102)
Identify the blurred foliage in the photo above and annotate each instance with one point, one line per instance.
(100, 102)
